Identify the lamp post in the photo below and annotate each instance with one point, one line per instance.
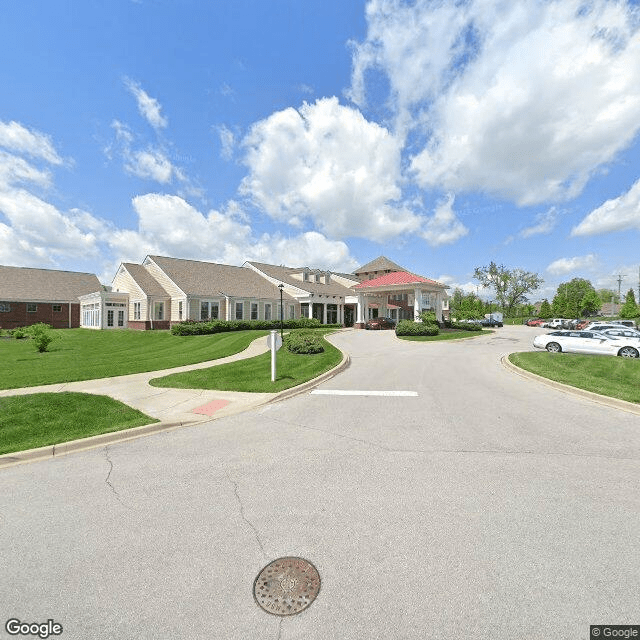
(281, 287)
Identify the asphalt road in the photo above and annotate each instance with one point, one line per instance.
(487, 506)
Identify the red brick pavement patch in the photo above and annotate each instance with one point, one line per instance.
(210, 408)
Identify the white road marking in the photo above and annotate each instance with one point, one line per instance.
(345, 392)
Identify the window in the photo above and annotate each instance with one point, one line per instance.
(239, 310)
(5, 307)
(121, 318)
(204, 310)
(180, 310)
(215, 310)
(31, 308)
(110, 318)
(267, 312)
(57, 307)
(159, 311)
(136, 311)
(254, 310)
(91, 315)
(292, 311)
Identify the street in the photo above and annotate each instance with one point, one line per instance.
(482, 505)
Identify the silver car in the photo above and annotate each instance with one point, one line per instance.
(590, 342)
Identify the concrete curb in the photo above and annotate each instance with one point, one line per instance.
(614, 403)
(104, 439)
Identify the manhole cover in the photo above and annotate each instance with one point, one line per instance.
(286, 586)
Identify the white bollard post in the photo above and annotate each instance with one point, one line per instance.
(273, 355)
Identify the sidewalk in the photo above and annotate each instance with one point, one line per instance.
(175, 406)
(172, 407)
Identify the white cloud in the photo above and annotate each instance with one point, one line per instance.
(151, 164)
(443, 227)
(545, 223)
(326, 163)
(168, 224)
(15, 170)
(15, 137)
(227, 142)
(618, 214)
(148, 107)
(503, 93)
(563, 266)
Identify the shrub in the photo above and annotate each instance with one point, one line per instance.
(465, 326)
(305, 342)
(410, 328)
(196, 328)
(42, 337)
(19, 333)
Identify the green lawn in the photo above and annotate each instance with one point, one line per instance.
(254, 374)
(448, 334)
(609, 376)
(83, 354)
(41, 419)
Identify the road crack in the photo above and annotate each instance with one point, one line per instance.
(243, 516)
(107, 480)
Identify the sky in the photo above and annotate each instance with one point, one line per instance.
(324, 133)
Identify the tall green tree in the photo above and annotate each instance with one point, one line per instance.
(608, 295)
(590, 304)
(545, 309)
(511, 286)
(568, 301)
(629, 309)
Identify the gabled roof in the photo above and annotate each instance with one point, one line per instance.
(149, 285)
(381, 263)
(23, 284)
(396, 278)
(208, 279)
(285, 275)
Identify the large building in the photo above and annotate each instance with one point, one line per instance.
(163, 291)
(29, 296)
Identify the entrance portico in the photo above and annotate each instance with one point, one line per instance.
(411, 295)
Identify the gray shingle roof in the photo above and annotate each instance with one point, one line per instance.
(208, 279)
(381, 263)
(149, 285)
(285, 275)
(23, 284)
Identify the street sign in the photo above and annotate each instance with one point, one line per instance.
(270, 339)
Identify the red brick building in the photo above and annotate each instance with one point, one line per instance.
(29, 296)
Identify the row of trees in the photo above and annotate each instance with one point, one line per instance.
(573, 299)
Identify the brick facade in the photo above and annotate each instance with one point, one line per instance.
(18, 316)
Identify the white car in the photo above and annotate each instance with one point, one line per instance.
(592, 342)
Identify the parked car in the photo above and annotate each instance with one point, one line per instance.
(555, 323)
(597, 325)
(538, 322)
(621, 331)
(591, 342)
(490, 322)
(380, 323)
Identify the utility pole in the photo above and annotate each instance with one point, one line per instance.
(620, 276)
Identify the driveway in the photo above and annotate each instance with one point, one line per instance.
(470, 502)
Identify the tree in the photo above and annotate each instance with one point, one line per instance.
(590, 303)
(629, 309)
(545, 309)
(511, 285)
(574, 299)
(465, 305)
(608, 295)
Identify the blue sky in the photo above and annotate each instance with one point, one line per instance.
(443, 135)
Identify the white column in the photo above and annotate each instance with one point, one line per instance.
(439, 306)
(417, 303)
(360, 312)
(310, 308)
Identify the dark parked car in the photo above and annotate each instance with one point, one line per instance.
(490, 322)
(380, 323)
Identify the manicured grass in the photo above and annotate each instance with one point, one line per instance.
(254, 374)
(41, 419)
(609, 376)
(447, 334)
(83, 354)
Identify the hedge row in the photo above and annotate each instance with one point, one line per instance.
(411, 328)
(464, 326)
(303, 342)
(196, 328)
